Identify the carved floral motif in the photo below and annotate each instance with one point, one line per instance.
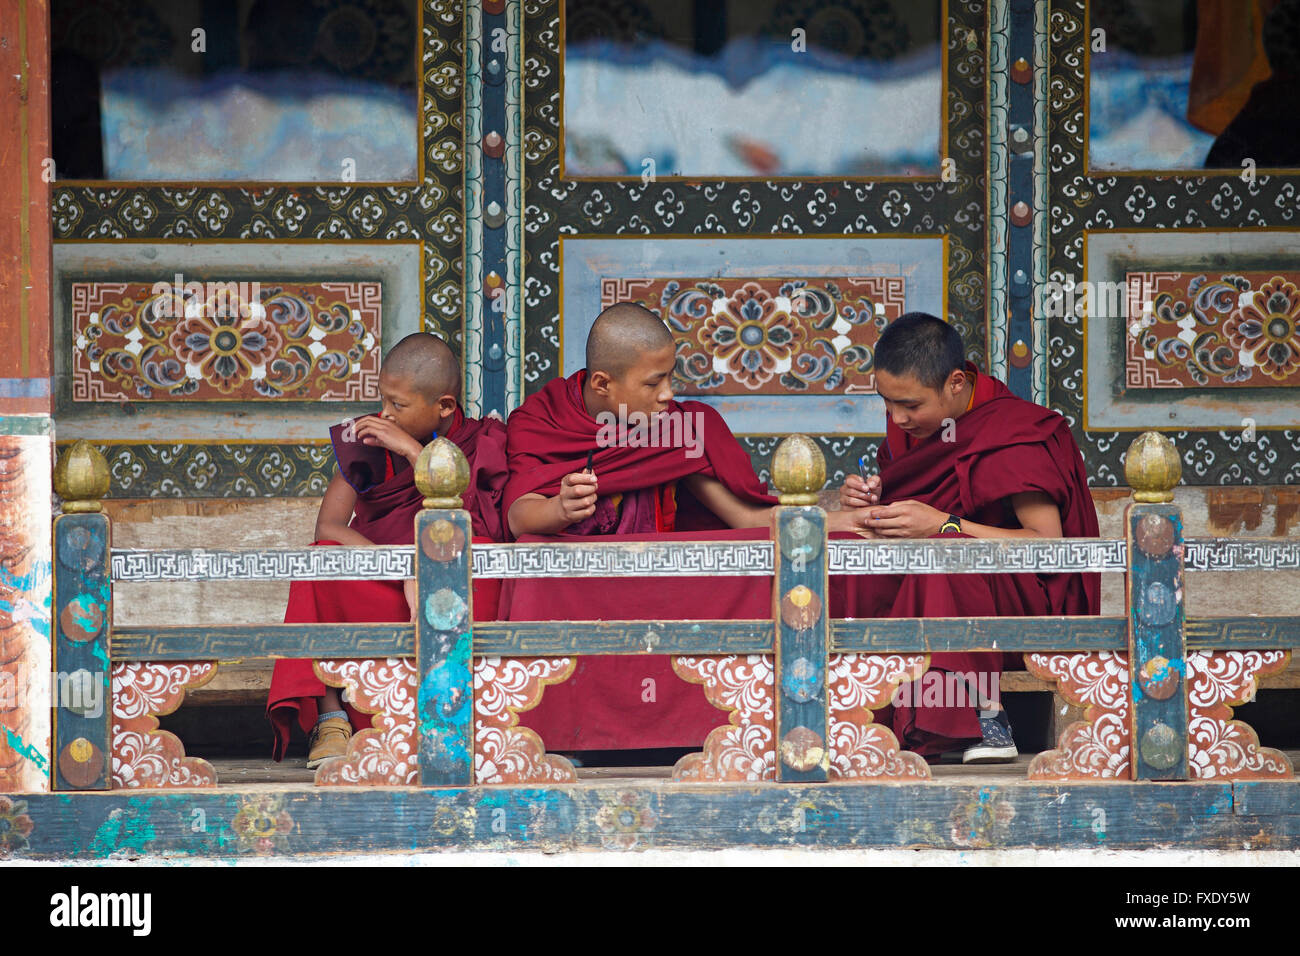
(143, 755)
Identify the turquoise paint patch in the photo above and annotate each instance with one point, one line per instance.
(444, 701)
(124, 830)
(23, 749)
(87, 613)
(97, 650)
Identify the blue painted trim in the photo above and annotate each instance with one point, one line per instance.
(24, 388)
(998, 155)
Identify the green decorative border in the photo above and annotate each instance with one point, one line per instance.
(217, 471)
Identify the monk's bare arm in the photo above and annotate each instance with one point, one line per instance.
(715, 496)
(1037, 513)
(537, 514)
(335, 513)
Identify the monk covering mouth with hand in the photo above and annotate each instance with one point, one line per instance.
(372, 500)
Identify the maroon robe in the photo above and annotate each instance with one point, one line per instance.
(385, 510)
(606, 704)
(1003, 446)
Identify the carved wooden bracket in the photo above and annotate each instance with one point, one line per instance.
(1221, 748)
(143, 755)
(385, 755)
(1098, 747)
(744, 748)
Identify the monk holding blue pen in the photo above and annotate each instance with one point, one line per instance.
(962, 457)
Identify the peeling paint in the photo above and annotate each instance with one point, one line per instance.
(23, 749)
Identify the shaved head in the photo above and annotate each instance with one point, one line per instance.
(425, 363)
(621, 335)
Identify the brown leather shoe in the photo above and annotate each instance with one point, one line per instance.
(329, 738)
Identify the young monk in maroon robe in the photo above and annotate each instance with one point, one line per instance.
(963, 456)
(703, 481)
(372, 500)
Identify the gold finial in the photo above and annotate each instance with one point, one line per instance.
(798, 470)
(1152, 468)
(441, 474)
(81, 478)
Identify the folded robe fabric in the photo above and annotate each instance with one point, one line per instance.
(619, 703)
(551, 434)
(385, 513)
(1000, 447)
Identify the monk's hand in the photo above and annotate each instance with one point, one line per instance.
(856, 493)
(847, 519)
(577, 496)
(905, 519)
(408, 588)
(850, 519)
(373, 430)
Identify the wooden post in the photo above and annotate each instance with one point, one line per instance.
(800, 613)
(81, 684)
(443, 621)
(1157, 644)
(26, 441)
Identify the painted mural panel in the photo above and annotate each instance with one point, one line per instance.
(267, 91)
(741, 88)
(770, 336)
(258, 340)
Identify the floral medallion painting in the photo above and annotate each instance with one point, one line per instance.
(769, 336)
(142, 342)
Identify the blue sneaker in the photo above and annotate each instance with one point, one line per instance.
(997, 745)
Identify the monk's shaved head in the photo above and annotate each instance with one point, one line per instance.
(425, 363)
(621, 335)
(921, 345)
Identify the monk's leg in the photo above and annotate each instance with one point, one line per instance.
(941, 713)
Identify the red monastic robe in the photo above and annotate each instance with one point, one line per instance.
(1002, 446)
(617, 703)
(385, 511)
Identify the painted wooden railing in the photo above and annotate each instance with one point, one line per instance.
(801, 685)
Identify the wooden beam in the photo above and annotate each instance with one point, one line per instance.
(26, 170)
(1110, 815)
(564, 638)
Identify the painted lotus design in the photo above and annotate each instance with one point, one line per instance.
(752, 335)
(314, 341)
(225, 349)
(1199, 330)
(1264, 330)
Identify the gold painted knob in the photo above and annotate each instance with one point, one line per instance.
(1152, 468)
(798, 470)
(81, 477)
(442, 474)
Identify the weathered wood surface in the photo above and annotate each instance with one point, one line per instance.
(83, 612)
(1157, 646)
(444, 665)
(800, 607)
(247, 682)
(634, 815)
(731, 558)
(562, 638)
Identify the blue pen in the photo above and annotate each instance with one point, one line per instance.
(862, 466)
